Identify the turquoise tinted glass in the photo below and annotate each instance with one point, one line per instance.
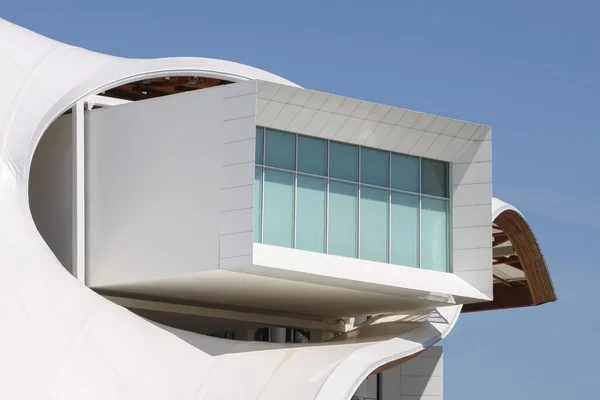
(343, 219)
(312, 155)
(257, 204)
(343, 161)
(405, 173)
(280, 150)
(374, 224)
(260, 138)
(278, 219)
(434, 234)
(375, 167)
(434, 177)
(405, 229)
(311, 215)
(299, 209)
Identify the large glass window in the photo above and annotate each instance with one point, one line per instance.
(311, 214)
(405, 173)
(260, 145)
(258, 180)
(280, 150)
(353, 201)
(278, 208)
(374, 167)
(343, 161)
(343, 219)
(312, 156)
(434, 234)
(404, 238)
(374, 220)
(434, 177)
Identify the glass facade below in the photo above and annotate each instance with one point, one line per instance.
(352, 201)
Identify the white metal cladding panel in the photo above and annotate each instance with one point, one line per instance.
(465, 258)
(237, 129)
(472, 194)
(421, 378)
(237, 174)
(236, 244)
(475, 172)
(471, 212)
(469, 216)
(164, 202)
(237, 198)
(466, 146)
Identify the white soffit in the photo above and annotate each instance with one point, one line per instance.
(327, 269)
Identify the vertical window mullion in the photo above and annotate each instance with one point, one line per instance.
(448, 217)
(420, 214)
(258, 192)
(327, 203)
(375, 210)
(262, 195)
(358, 220)
(448, 233)
(295, 195)
(390, 209)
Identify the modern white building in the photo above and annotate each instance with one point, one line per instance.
(191, 228)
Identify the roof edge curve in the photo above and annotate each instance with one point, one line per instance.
(537, 288)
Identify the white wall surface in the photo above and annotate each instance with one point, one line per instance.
(156, 173)
(238, 141)
(421, 378)
(50, 189)
(471, 218)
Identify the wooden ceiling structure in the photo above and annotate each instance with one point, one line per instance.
(165, 86)
(531, 285)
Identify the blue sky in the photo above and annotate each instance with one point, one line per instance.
(530, 69)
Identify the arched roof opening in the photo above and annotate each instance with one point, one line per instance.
(521, 276)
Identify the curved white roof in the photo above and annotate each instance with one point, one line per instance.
(47, 77)
(499, 206)
(60, 340)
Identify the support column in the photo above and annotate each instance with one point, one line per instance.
(245, 334)
(278, 335)
(78, 233)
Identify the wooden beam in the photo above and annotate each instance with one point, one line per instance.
(530, 256)
(499, 238)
